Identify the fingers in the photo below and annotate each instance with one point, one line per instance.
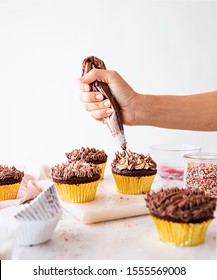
(94, 103)
(89, 97)
(101, 114)
(85, 87)
(97, 105)
(106, 76)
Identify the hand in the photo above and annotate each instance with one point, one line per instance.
(99, 108)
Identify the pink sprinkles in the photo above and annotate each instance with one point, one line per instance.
(202, 176)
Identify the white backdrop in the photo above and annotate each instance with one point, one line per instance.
(158, 47)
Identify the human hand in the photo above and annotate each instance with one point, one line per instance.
(99, 108)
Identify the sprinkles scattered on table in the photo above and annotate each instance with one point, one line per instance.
(202, 176)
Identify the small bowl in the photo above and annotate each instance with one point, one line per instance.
(170, 159)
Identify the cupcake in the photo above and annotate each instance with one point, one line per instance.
(133, 173)
(181, 216)
(10, 180)
(89, 155)
(76, 181)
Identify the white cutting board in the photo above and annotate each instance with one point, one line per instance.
(108, 204)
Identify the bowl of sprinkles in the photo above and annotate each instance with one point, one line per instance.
(201, 172)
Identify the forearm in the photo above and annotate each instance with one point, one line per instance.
(191, 112)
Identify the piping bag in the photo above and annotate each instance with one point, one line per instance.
(114, 121)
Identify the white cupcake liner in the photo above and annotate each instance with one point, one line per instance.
(37, 232)
(38, 219)
(44, 206)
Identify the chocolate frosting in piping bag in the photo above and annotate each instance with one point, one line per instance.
(114, 121)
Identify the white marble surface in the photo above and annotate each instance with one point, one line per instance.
(131, 238)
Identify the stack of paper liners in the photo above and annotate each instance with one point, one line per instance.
(39, 219)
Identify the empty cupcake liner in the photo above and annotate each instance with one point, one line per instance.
(43, 207)
(38, 220)
(37, 232)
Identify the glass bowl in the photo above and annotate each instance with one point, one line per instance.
(170, 159)
(201, 172)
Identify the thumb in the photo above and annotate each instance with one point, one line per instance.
(96, 75)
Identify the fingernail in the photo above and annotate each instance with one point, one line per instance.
(106, 103)
(99, 96)
(86, 87)
(109, 111)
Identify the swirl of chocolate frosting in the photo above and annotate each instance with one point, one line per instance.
(87, 154)
(79, 168)
(7, 172)
(181, 205)
(132, 161)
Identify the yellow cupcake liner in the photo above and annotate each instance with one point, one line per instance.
(9, 191)
(77, 193)
(181, 234)
(102, 166)
(133, 185)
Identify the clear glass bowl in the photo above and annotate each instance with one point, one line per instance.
(170, 159)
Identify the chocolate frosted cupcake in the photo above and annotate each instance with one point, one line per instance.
(133, 173)
(10, 180)
(89, 155)
(76, 181)
(181, 215)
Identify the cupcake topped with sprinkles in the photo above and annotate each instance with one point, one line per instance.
(75, 171)
(130, 161)
(133, 172)
(76, 181)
